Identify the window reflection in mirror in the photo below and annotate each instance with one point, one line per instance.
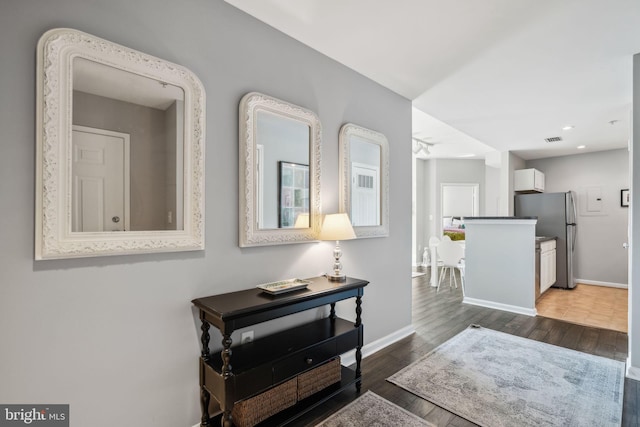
(365, 182)
(282, 173)
(127, 141)
(364, 179)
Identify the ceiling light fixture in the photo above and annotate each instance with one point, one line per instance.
(568, 127)
(465, 155)
(580, 147)
(420, 147)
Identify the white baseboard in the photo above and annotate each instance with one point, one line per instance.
(499, 306)
(632, 372)
(598, 283)
(349, 358)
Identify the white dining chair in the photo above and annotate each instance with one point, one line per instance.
(451, 255)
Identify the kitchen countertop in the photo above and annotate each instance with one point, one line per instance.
(499, 217)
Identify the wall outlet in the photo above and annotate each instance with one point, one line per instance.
(246, 337)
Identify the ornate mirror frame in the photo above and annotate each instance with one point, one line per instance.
(53, 236)
(249, 233)
(347, 131)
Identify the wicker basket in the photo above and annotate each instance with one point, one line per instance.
(318, 378)
(249, 412)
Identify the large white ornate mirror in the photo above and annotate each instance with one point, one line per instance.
(279, 172)
(120, 150)
(364, 180)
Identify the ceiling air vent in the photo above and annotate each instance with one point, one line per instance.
(554, 139)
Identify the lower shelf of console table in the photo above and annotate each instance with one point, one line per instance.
(271, 360)
(302, 407)
(240, 372)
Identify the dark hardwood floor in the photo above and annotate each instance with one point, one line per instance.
(438, 317)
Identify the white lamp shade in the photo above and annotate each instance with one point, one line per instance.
(337, 227)
(302, 221)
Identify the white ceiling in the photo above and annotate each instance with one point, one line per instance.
(500, 73)
(110, 82)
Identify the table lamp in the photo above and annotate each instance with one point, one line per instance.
(302, 221)
(337, 227)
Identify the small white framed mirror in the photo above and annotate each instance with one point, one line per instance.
(364, 180)
(279, 166)
(120, 150)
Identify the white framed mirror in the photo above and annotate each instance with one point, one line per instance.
(279, 166)
(364, 180)
(120, 150)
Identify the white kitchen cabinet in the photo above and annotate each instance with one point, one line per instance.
(528, 180)
(547, 264)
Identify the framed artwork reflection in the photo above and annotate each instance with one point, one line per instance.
(293, 194)
(624, 198)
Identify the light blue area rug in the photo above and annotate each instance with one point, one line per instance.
(372, 410)
(495, 379)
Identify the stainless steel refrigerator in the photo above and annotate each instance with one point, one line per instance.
(556, 214)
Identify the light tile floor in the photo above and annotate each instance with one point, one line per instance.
(589, 305)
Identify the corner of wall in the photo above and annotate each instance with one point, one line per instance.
(634, 217)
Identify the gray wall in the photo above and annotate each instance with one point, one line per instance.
(116, 337)
(500, 264)
(421, 209)
(633, 362)
(599, 253)
(514, 163)
(491, 191)
(173, 138)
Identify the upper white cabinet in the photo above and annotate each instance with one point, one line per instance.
(528, 180)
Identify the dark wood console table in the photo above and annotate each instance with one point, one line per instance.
(248, 369)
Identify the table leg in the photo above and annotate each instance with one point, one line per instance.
(227, 420)
(434, 266)
(205, 398)
(204, 338)
(227, 371)
(359, 347)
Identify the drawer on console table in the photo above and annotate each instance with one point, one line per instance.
(302, 360)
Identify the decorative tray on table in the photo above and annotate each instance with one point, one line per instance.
(282, 286)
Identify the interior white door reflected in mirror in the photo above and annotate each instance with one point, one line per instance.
(279, 164)
(100, 180)
(147, 112)
(364, 177)
(120, 148)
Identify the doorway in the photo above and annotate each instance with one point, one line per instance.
(457, 201)
(100, 180)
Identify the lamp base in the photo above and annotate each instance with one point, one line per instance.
(337, 278)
